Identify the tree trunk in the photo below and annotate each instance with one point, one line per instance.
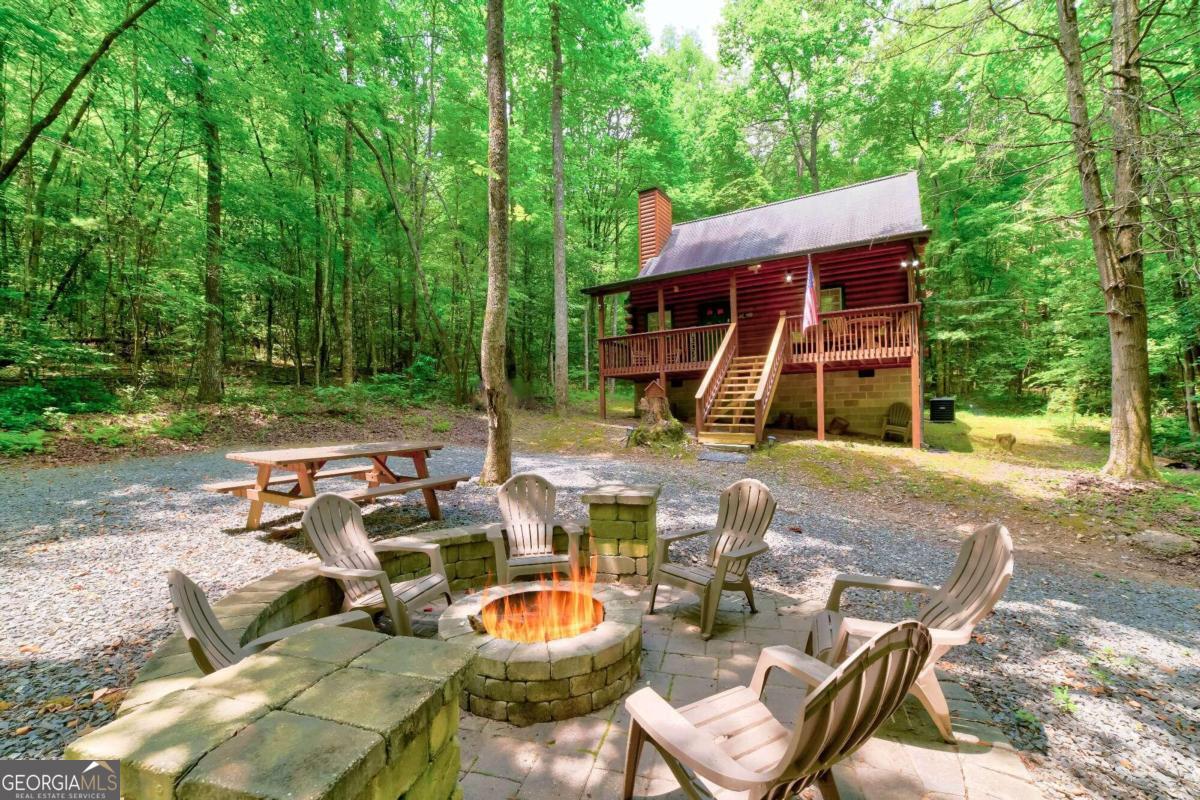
(347, 221)
(497, 463)
(1190, 357)
(211, 386)
(1116, 234)
(348, 261)
(561, 353)
(318, 261)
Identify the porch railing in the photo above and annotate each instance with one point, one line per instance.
(710, 387)
(679, 350)
(859, 334)
(772, 367)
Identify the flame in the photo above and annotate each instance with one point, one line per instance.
(551, 608)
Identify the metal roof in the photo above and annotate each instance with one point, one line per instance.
(863, 213)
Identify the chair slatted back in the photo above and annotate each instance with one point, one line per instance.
(982, 573)
(527, 506)
(899, 415)
(212, 646)
(335, 529)
(846, 709)
(745, 512)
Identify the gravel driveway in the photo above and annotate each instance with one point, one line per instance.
(83, 600)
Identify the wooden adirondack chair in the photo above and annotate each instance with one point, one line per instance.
(982, 573)
(524, 542)
(745, 512)
(732, 746)
(335, 528)
(898, 421)
(213, 647)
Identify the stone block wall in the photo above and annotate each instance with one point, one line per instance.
(469, 557)
(861, 401)
(334, 713)
(623, 524)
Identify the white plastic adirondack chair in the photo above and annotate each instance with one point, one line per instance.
(213, 647)
(982, 573)
(731, 746)
(524, 542)
(745, 512)
(335, 528)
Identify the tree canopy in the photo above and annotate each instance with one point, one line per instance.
(350, 138)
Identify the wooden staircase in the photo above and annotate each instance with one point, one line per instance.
(731, 418)
(735, 397)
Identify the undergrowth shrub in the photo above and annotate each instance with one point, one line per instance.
(340, 401)
(21, 407)
(14, 443)
(185, 427)
(108, 436)
(81, 395)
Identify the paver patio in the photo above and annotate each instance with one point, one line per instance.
(583, 757)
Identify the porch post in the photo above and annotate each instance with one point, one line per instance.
(918, 411)
(600, 354)
(733, 317)
(820, 399)
(662, 339)
(820, 354)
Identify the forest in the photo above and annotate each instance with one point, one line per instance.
(299, 191)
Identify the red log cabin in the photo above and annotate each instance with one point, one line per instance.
(716, 311)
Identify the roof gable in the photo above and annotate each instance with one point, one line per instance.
(884, 208)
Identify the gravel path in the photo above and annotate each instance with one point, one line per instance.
(83, 600)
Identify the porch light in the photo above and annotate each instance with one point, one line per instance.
(904, 264)
(788, 277)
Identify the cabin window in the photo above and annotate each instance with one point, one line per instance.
(832, 299)
(652, 321)
(714, 312)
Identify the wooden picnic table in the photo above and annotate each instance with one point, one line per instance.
(304, 466)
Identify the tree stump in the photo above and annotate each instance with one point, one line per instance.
(657, 426)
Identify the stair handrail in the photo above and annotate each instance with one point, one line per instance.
(772, 367)
(706, 395)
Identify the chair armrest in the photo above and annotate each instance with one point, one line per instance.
(747, 552)
(403, 544)
(352, 574)
(944, 637)
(348, 619)
(494, 531)
(848, 580)
(806, 668)
(407, 544)
(678, 536)
(395, 609)
(697, 750)
(569, 527)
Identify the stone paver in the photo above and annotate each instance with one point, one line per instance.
(583, 758)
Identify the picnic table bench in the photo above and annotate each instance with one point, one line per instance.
(304, 466)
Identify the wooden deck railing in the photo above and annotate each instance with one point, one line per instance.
(772, 367)
(859, 334)
(710, 387)
(678, 350)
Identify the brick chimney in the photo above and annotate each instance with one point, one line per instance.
(654, 223)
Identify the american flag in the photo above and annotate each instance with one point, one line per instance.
(811, 307)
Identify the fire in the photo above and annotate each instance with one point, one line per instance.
(551, 608)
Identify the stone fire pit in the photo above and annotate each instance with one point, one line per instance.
(524, 683)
